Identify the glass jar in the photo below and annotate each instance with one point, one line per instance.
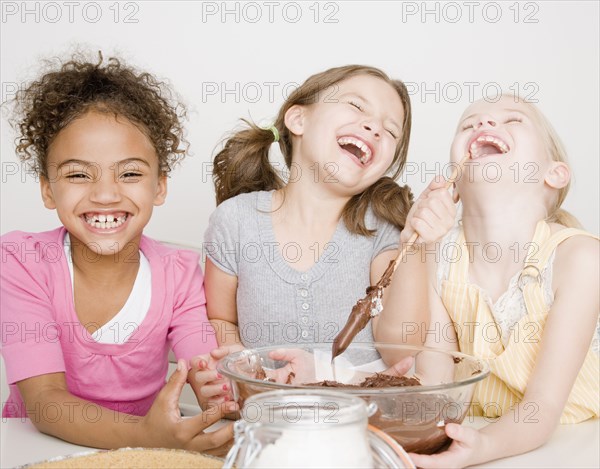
(311, 429)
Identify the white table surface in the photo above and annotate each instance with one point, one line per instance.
(570, 446)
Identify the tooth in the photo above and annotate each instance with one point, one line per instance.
(102, 218)
(110, 218)
(490, 139)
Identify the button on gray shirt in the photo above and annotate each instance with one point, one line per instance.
(277, 304)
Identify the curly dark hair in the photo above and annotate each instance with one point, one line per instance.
(68, 91)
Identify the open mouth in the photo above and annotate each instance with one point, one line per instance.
(486, 145)
(105, 221)
(357, 148)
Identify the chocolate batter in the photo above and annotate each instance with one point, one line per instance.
(415, 420)
(378, 380)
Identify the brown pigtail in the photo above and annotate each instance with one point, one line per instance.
(243, 164)
(389, 202)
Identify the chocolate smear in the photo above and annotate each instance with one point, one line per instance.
(362, 312)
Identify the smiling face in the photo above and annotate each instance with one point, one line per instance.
(352, 133)
(103, 180)
(506, 135)
(498, 132)
(511, 146)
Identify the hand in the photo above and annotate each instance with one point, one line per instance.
(300, 362)
(467, 441)
(432, 215)
(401, 367)
(163, 426)
(209, 385)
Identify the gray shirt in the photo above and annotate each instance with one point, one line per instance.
(277, 304)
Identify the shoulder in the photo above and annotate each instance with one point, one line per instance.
(32, 248)
(55, 235)
(581, 249)
(181, 258)
(242, 203)
(578, 255)
(373, 222)
(30, 261)
(239, 211)
(232, 212)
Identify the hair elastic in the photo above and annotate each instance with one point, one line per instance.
(275, 132)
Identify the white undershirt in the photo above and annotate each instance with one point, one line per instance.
(133, 312)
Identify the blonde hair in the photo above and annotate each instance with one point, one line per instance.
(243, 163)
(557, 152)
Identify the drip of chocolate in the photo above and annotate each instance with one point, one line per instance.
(362, 312)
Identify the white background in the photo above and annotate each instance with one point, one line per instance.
(548, 51)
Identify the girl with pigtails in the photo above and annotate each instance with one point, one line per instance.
(287, 261)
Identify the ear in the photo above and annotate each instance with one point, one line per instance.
(558, 175)
(161, 190)
(47, 194)
(294, 119)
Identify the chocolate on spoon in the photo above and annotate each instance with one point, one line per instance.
(371, 305)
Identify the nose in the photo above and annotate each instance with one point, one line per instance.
(105, 190)
(372, 127)
(485, 120)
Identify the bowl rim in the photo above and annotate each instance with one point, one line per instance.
(484, 369)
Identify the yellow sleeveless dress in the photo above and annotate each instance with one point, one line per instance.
(511, 364)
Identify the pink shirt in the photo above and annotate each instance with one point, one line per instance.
(41, 332)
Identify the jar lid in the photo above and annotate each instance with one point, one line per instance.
(309, 407)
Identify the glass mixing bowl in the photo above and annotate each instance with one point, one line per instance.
(414, 415)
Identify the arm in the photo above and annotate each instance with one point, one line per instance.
(431, 368)
(404, 301)
(221, 243)
(221, 291)
(406, 312)
(55, 411)
(190, 332)
(566, 340)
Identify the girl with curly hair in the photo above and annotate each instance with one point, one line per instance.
(91, 309)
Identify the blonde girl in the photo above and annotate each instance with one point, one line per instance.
(518, 280)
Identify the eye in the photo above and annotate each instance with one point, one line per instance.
(76, 177)
(131, 176)
(392, 134)
(513, 119)
(356, 105)
(466, 126)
